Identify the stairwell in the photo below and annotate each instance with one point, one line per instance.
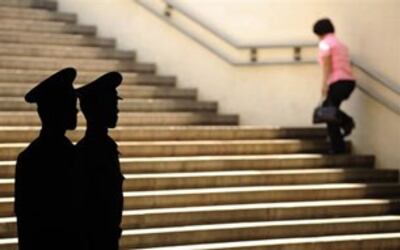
(195, 179)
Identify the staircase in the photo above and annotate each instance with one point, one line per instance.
(194, 178)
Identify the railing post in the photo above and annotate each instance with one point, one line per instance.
(253, 55)
(297, 54)
(168, 10)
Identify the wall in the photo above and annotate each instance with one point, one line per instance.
(266, 95)
(371, 28)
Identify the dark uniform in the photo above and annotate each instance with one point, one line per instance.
(98, 160)
(44, 197)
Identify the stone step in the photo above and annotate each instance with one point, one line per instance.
(237, 147)
(8, 227)
(133, 105)
(42, 4)
(258, 194)
(26, 134)
(246, 231)
(263, 230)
(165, 181)
(173, 217)
(245, 195)
(55, 51)
(9, 244)
(132, 119)
(35, 76)
(40, 26)
(36, 14)
(102, 65)
(184, 216)
(10, 151)
(173, 181)
(54, 39)
(386, 241)
(243, 162)
(228, 163)
(125, 91)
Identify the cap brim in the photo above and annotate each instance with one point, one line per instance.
(54, 84)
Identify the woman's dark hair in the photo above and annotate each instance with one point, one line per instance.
(323, 27)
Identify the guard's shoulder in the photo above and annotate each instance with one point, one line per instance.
(82, 146)
(29, 154)
(32, 148)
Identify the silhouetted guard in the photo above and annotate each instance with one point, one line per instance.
(44, 186)
(101, 178)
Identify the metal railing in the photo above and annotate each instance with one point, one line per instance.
(170, 9)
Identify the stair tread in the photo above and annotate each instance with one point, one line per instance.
(43, 4)
(239, 173)
(133, 194)
(37, 75)
(256, 206)
(238, 207)
(92, 64)
(28, 86)
(164, 114)
(70, 51)
(225, 157)
(185, 128)
(130, 104)
(281, 242)
(35, 14)
(70, 60)
(222, 190)
(56, 39)
(177, 129)
(48, 35)
(235, 157)
(40, 22)
(254, 173)
(194, 143)
(133, 118)
(127, 100)
(266, 243)
(250, 225)
(269, 243)
(50, 23)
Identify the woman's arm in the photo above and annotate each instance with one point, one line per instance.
(326, 71)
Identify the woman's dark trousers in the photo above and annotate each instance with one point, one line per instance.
(337, 93)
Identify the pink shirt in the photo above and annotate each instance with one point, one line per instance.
(341, 68)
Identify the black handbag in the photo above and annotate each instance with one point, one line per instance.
(326, 114)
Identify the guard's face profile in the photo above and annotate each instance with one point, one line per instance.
(99, 100)
(101, 111)
(111, 110)
(56, 100)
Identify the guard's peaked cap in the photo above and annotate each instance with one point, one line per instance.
(53, 87)
(105, 84)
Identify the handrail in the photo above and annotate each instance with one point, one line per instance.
(231, 40)
(254, 48)
(375, 76)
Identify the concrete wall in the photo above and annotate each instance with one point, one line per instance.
(371, 28)
(263, 95)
